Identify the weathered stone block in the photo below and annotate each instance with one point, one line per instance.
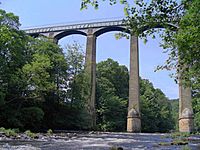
(133, 121)
(133, 125)
(186, 125)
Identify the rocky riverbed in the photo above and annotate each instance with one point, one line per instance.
(99, 141)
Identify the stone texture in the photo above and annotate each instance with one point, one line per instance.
(133, 118)
(91, 74)
(51, 37)
(185, 109)
(186, 125)
(133, 121)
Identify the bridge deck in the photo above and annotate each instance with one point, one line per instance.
(74, 26)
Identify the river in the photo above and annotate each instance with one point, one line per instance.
(99, 141)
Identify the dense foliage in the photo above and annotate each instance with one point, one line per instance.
(188, 41)
(112, 95)
(42, 87)
(177, 22)
(38, 81)
(112, 101)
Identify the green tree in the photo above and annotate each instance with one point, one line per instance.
(31, 69)
(196, 108)
(46, 71)
(170, 20)
(177, 23)
(188, 42)
(117, 74)
(112, 101)
(70, 113)
(145, 18)
(35, 76)
(75, 60)
(155, 107)
(31, 118)
(112, 95)
(12, 56)
(175, 112)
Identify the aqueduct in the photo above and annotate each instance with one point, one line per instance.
(92, 31)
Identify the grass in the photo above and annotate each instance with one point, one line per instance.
(31, 134)
(9, 132)
(49, 132)
(180, 135)
(179, 142)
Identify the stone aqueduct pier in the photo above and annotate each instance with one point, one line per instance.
(92, 31)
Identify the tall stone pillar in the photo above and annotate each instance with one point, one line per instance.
(185, 109)
(91, 74)
(133, 118)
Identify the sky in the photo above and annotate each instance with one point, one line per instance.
(37, 13)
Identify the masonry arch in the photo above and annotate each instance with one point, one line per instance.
(109, 47)
(133, 119)
(67, 33)
(71, 39)
(110, 29)
(92, 31)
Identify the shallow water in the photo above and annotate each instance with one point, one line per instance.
(98, 141)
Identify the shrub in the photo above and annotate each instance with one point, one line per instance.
(32, 117)
(9, 132)
(30, 134)
(49, 132)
